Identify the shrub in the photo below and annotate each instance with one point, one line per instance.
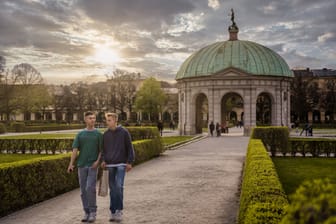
(17, 126)
(3, 128)
(60, 145)
(27, 182)
(315, 146)
(274, 138)
(146, 150)
(140, 133)
(36, 145)
(262, 198)
(313, 202)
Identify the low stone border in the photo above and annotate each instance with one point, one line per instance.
(186, 142)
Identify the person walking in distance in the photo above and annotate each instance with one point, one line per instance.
(211, 127)
(117, 157)
(89, 144)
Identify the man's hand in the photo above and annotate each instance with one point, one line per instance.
(95, 164)
(128, 167)
(103, 165)
(70, 168)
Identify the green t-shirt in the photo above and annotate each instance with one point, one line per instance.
(89, 144)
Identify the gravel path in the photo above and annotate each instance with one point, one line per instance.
(197, 183)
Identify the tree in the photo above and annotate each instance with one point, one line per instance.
(8, 81)
(29, 82)
(122, 90)
(301, 101)
(150, 98)
(330, 98)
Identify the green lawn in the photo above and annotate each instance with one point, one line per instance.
(175, 139)
(9, 158)
(293, 171)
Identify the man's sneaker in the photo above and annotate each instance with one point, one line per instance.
(112, 217)
(92, 217)
(85, 217)
(118, 216)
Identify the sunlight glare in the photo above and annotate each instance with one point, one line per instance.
(105, 55)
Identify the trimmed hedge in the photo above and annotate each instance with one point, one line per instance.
(313, 202)
(147, 149)
(27, 182)
(61, 145)
(314, 146)
(3, 128)
(275, 139)
(262, 198)
(47, 146)
(140, 133)
(21, 127)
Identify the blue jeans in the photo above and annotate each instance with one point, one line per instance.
(116, 183)
(87, 181)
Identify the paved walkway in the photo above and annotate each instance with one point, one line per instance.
(197, 183)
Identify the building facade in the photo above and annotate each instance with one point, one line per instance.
(233, 82)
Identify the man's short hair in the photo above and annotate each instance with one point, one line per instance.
(88, 113)
(113, 115)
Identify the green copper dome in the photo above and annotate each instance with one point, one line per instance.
(246, 56)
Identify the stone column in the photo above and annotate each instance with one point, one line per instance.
(75, 117)
(32, 116)
(322, 116)
(310, 117)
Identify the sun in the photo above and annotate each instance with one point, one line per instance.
(105, 55)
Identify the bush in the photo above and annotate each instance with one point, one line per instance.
(60, 145)
(36, 145)
(314, 202)
(27, 182)
(276, 139)
(262, 198)
(314, 146)
(3, 128)
(146, 150)
(17, 126)
(140, 133)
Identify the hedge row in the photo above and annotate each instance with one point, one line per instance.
(61, 145)
(38, 146)
(262, 198)
(274, 138)
(27, 182)
(21, 127)
(314, 146)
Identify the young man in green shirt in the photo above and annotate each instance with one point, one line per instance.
(89, 144)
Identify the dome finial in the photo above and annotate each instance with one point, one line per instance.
(233, 29)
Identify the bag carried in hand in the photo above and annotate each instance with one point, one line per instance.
(103, 184)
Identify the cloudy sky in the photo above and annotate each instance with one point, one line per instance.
(70, 40)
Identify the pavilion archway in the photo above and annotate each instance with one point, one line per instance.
(264, 109)
(201, 112)
(232, 108)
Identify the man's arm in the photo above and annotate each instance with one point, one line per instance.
(96, 164)
(72, 160)
(130, 152)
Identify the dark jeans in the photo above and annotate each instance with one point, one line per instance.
(116, 183)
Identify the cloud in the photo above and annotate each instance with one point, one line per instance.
(327, 37)
(142, 14)
(156, 36)
(214, 4)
